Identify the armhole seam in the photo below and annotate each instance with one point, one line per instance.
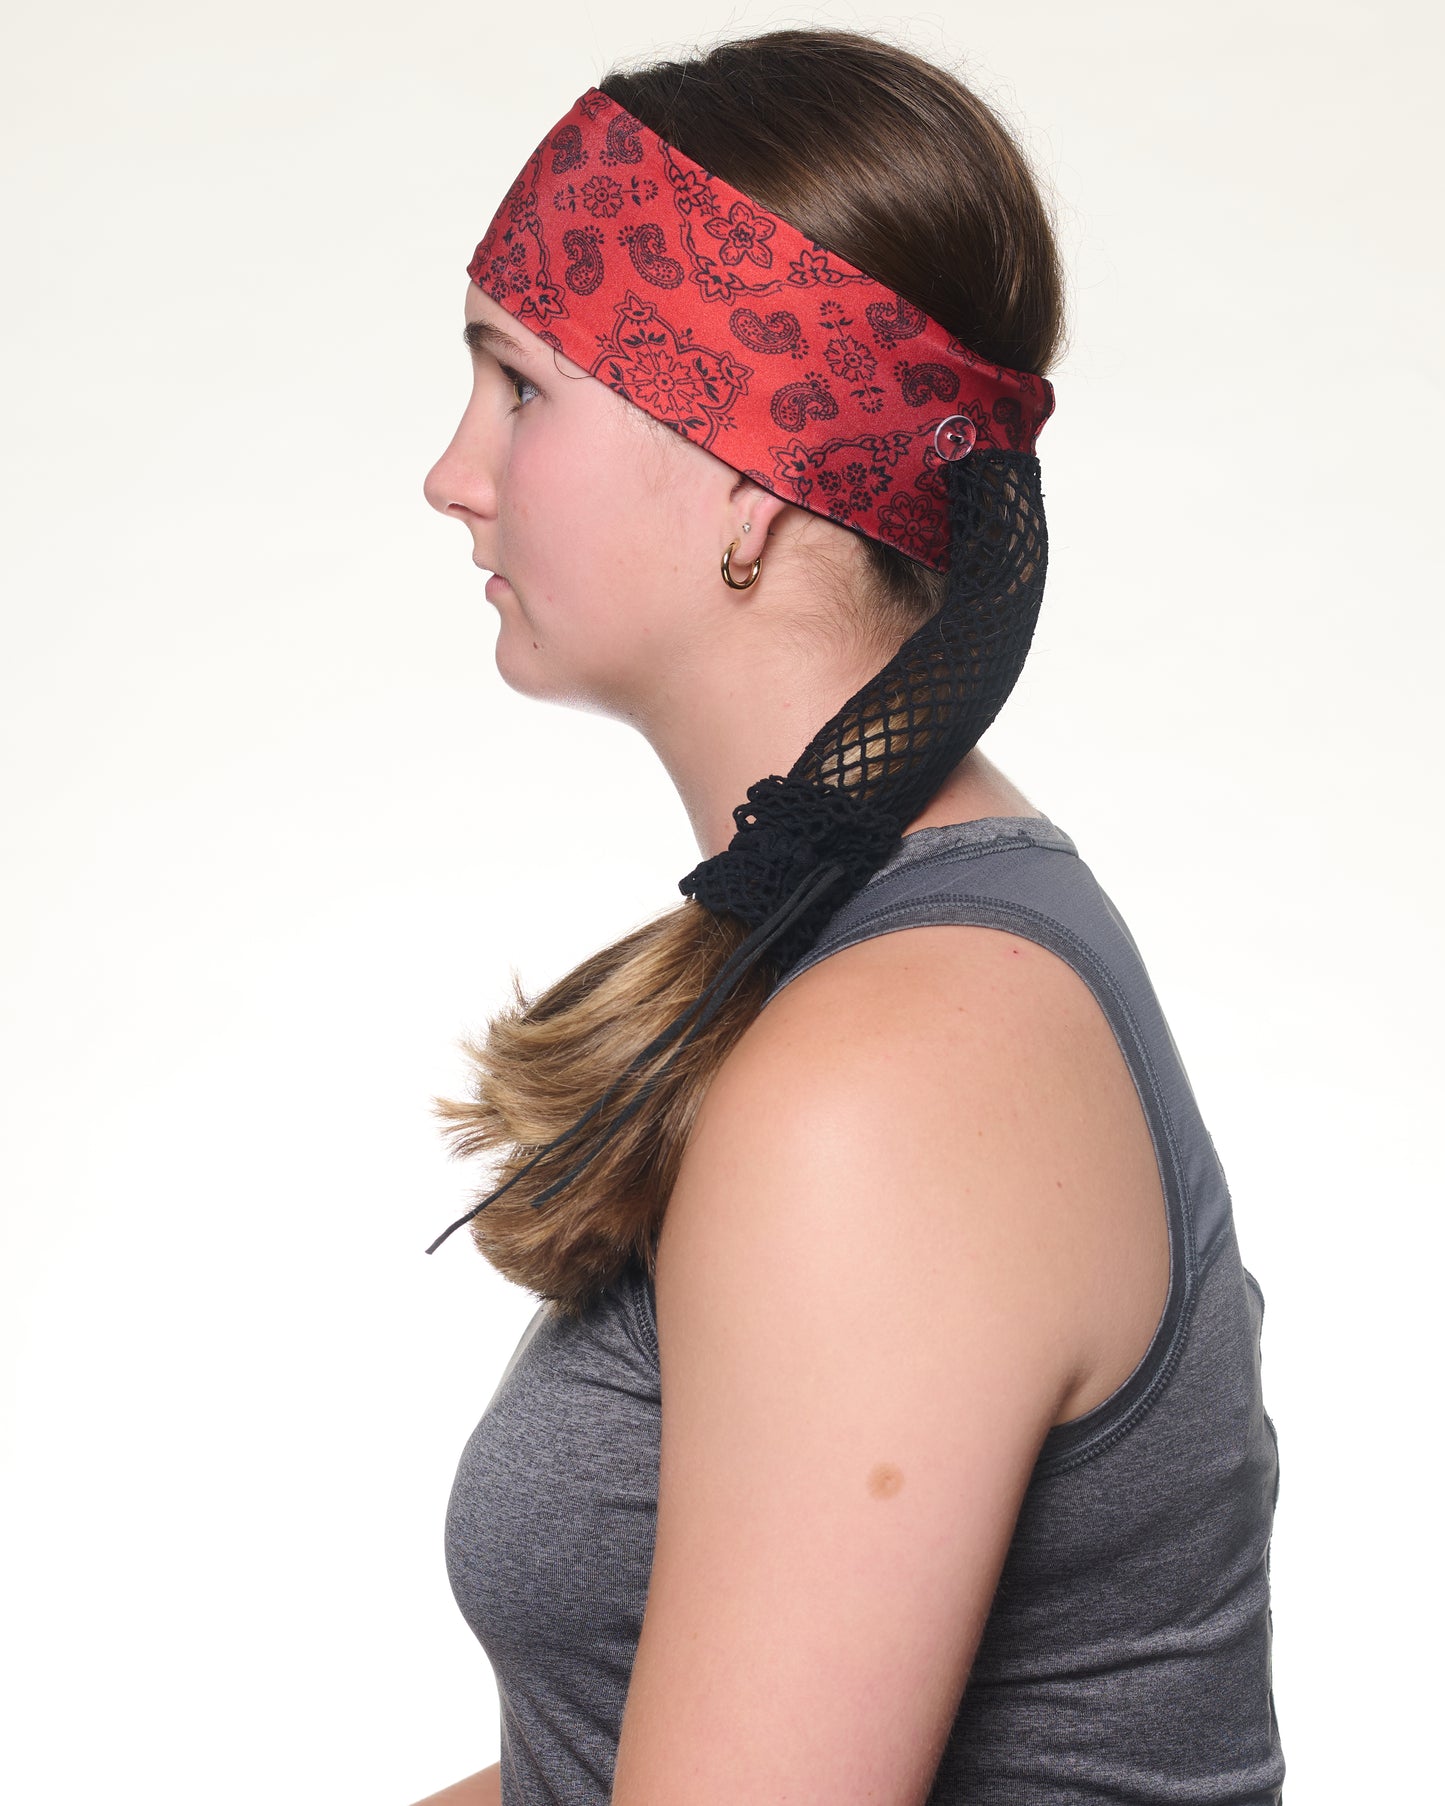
(1127, 1413)
(644, 1326)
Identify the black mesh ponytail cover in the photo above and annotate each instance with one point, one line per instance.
(880, 760)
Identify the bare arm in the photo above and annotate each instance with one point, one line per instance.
(869, 1315)
(481, 1789)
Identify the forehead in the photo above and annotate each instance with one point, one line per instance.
(481, 306)
(507, 337)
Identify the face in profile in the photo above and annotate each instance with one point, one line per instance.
(606, 528)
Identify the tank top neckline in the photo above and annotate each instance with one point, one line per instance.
(923, 843)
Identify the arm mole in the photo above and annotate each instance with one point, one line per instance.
(884, 1480)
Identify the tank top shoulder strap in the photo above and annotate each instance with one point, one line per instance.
(1024, 875)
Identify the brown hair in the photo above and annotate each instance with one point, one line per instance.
(893, 163)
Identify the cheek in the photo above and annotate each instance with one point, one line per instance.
(564, 502)
(582, 522)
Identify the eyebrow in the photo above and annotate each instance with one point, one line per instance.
(481, 335)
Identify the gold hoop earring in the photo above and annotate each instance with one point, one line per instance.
(732, 581)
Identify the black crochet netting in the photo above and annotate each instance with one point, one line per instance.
(809, 841)
(884, 755)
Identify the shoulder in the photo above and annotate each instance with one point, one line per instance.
(923, 1097)
(954, 1098)
(954, 984)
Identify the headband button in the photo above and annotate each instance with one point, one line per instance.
(961, 433)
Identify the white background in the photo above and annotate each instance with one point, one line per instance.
(275, 831)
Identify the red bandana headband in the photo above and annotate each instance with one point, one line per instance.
(729, 325)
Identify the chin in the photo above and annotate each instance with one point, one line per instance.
(522, 671)
(527, 668)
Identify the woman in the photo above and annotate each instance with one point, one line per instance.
(875, 1159)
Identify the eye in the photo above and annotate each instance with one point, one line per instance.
(517, 380)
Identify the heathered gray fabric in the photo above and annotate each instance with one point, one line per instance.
(1127, 1652)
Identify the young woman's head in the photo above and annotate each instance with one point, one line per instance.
(609, 529)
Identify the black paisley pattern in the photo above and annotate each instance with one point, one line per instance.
(780, 332)
(896, 321)
(922, 383)
(647, 247)
(567, 152)
(796, 403)
(584, 273)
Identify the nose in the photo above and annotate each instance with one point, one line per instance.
(460, 483)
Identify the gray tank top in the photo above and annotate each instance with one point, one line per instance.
(1127, 1653)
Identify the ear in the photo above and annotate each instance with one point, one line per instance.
(759, 508)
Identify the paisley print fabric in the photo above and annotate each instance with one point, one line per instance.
(730, 326)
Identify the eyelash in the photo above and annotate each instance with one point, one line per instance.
(514, 377)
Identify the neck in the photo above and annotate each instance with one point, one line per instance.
(742, 698)
(725, 734)
(743, 721)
